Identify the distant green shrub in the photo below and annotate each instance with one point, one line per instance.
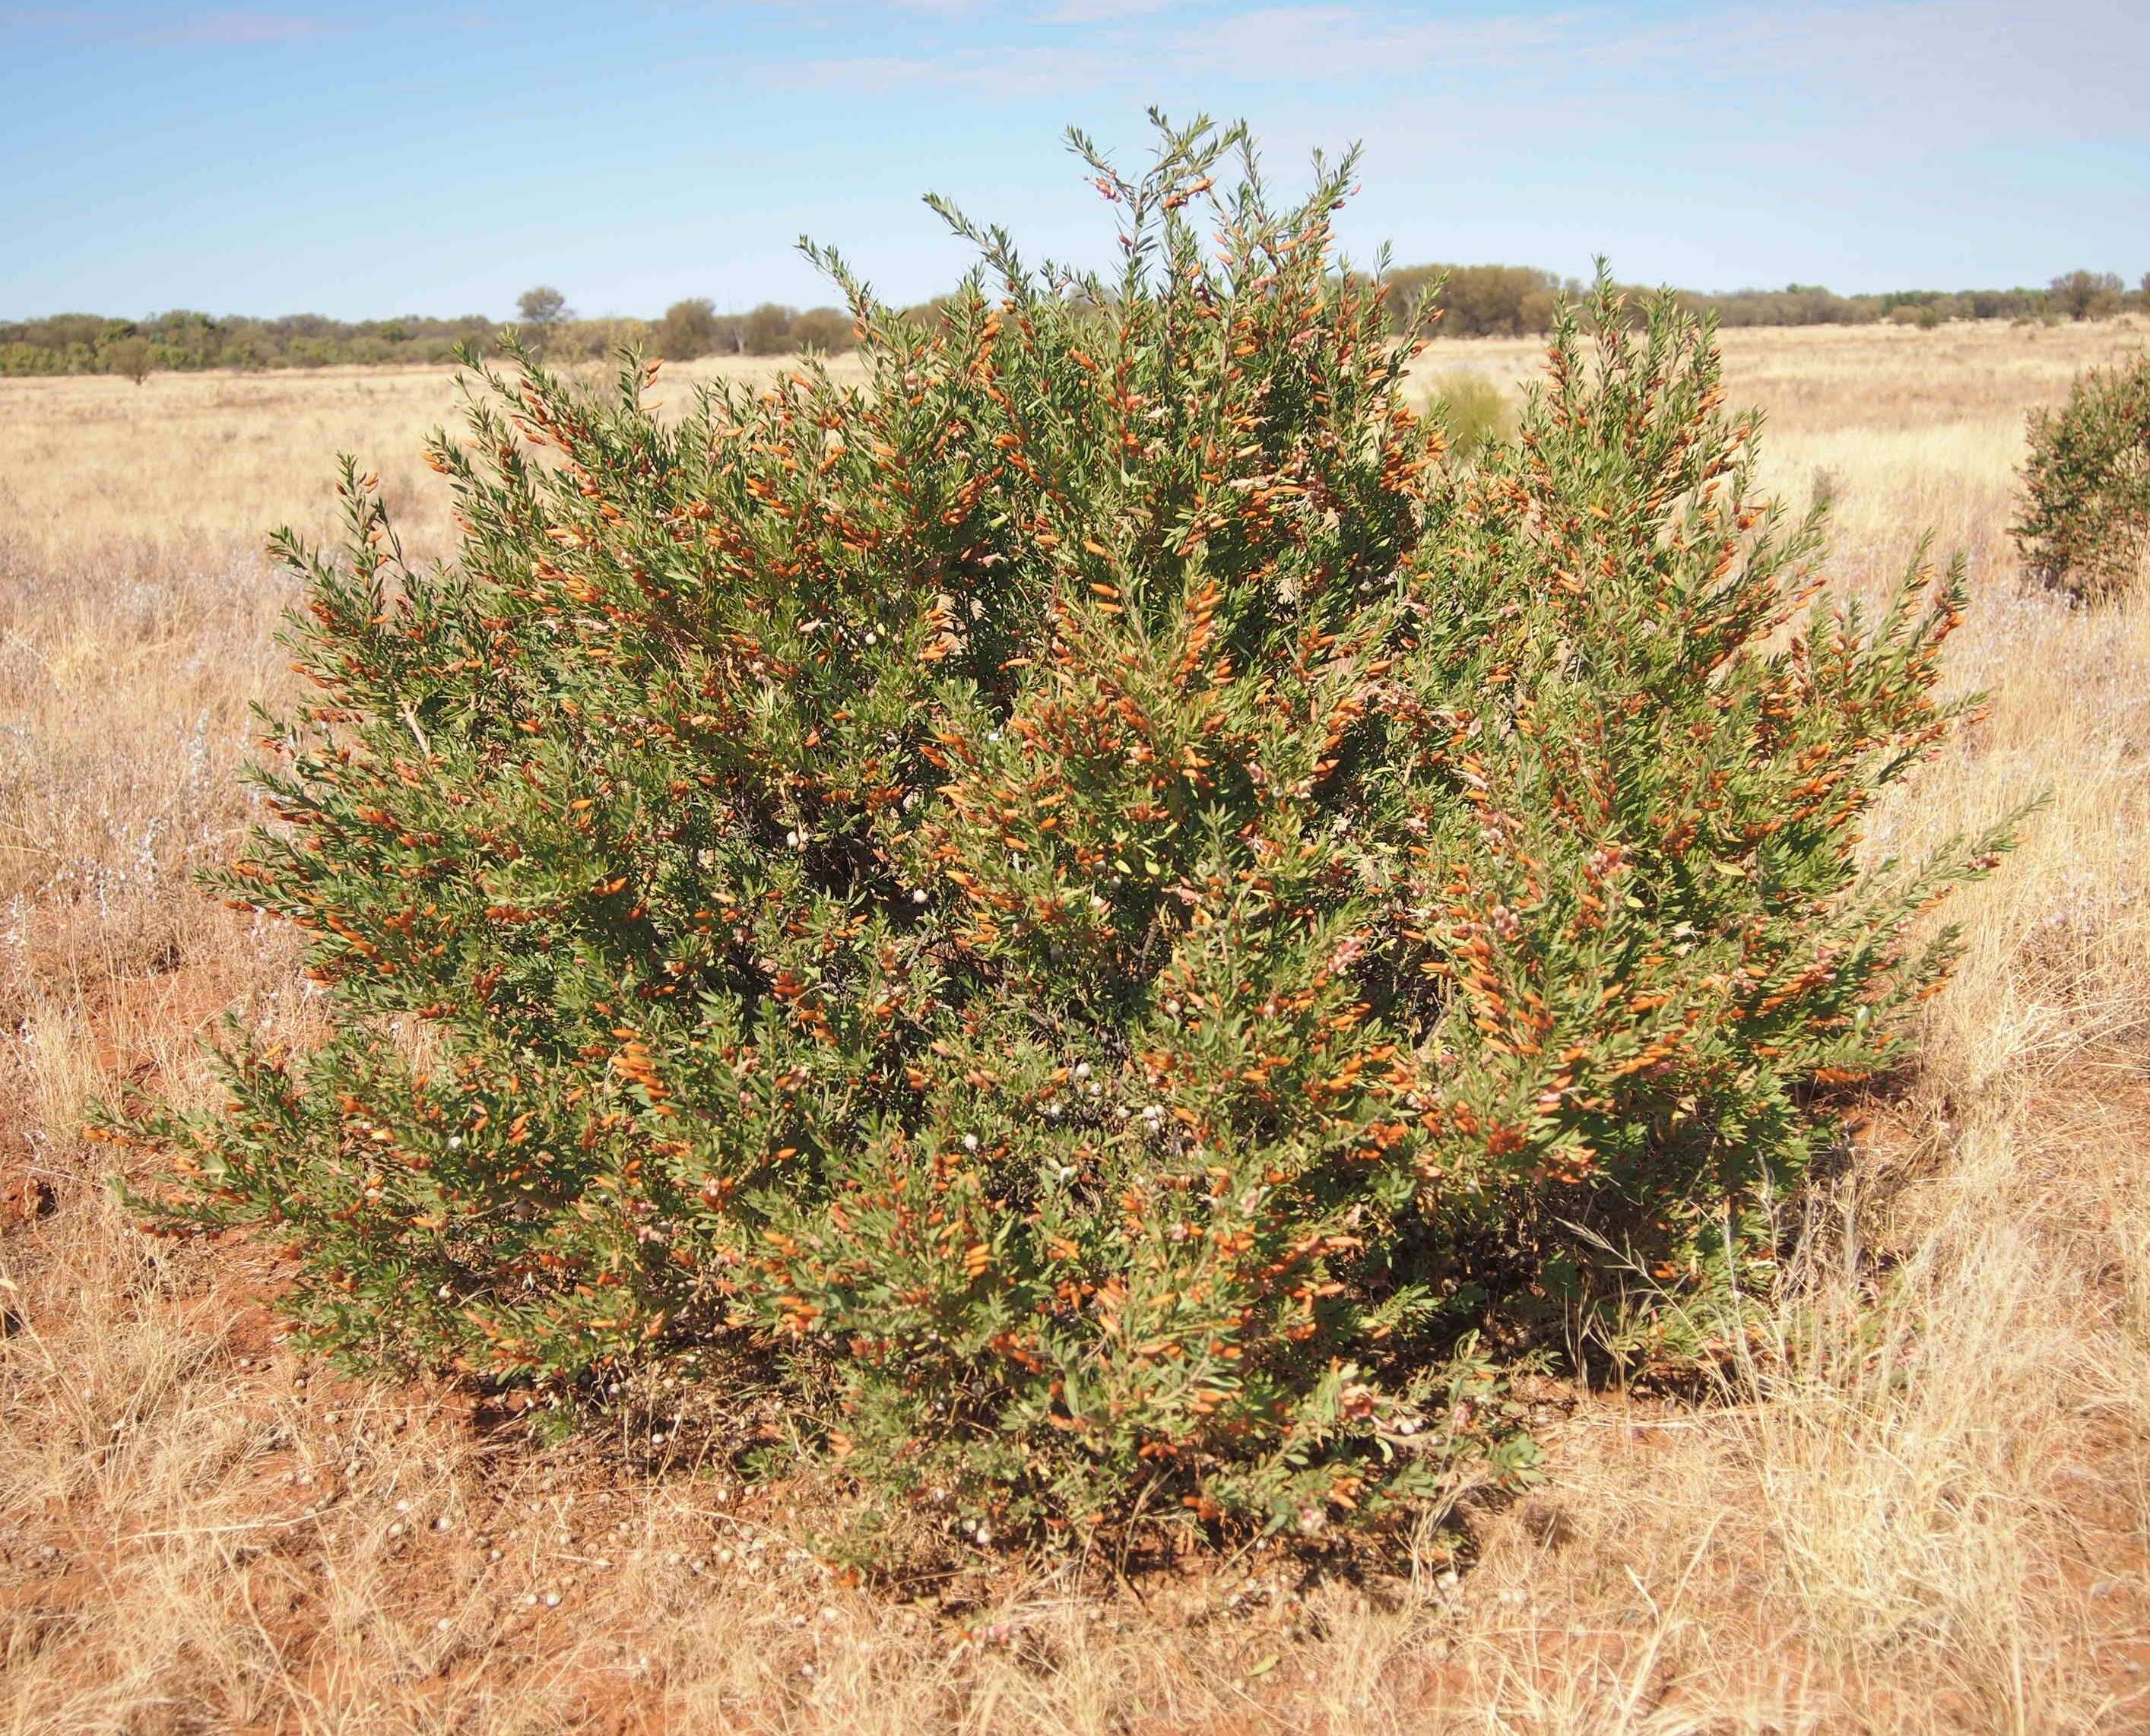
(825, 328)
(1472, 413)
(1081, 908)
(766, 331)
(2085, 523)
(688, 329)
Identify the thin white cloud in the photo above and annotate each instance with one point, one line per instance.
(226, 26)
(1101, 12)
(244, 27)
(2078, 62)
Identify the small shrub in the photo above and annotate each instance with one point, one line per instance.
(2086, 504)
(1472, 412)
(1083, 907)
(130, 357)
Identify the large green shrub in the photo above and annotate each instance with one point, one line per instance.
(1085, 905)
(2086, 513)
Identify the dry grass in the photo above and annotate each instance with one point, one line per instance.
(1925, 1507)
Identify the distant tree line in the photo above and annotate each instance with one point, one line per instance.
(1519, 301)
(1476, 302)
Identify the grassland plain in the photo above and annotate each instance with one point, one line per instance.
(1922, 1503)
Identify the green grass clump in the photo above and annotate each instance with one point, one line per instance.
(1472, 413)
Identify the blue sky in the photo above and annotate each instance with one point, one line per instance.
(356, 160)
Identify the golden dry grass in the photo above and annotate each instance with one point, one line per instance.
(1924, 1508)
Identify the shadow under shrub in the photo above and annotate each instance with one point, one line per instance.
(1087, 901)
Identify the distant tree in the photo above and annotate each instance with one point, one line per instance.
(543, 307)
(825, 328)
(2086, 295)
(933, 313)
(1478, 301)
(767, 330)
(688, 329)
(131, 356)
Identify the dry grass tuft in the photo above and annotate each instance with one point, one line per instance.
(1920, 1503)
